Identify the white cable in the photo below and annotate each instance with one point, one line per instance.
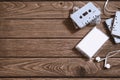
(116, 52)
(106, 65)
(109, 56)
(106, 8)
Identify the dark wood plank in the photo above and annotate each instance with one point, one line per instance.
(59, 79)
(55, 28)
(47, 48)
(46, 9)
(56, 67)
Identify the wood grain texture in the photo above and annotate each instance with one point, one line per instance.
(47, 48)
(45, 9)
(60, 78)
(37, 40)
(59, 67)
(45, 28)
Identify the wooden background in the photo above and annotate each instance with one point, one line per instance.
(37, 40)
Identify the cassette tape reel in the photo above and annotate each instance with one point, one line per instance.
(85, 15)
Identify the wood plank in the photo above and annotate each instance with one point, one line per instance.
(47, 48)
(46, 9)
(60, 78)
(56, 67)
(37, 47)
(44, 28)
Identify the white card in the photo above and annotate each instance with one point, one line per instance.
(116, 24)
(85, 15)
(109, 26)
(92, 42)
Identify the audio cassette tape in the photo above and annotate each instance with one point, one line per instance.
(109, 26)
(116, 25)
(85, 15)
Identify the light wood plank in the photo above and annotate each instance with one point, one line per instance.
(45, 28)
(46, 9)
(57, 67)
(47, 48)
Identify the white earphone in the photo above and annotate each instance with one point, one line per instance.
(106, 65)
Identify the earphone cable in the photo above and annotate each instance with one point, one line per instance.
(106, 8)
(115, 53)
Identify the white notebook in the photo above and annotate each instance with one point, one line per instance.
(92, 42)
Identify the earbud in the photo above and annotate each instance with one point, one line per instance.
(98, 59)
(106, 65)
(109, 55)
